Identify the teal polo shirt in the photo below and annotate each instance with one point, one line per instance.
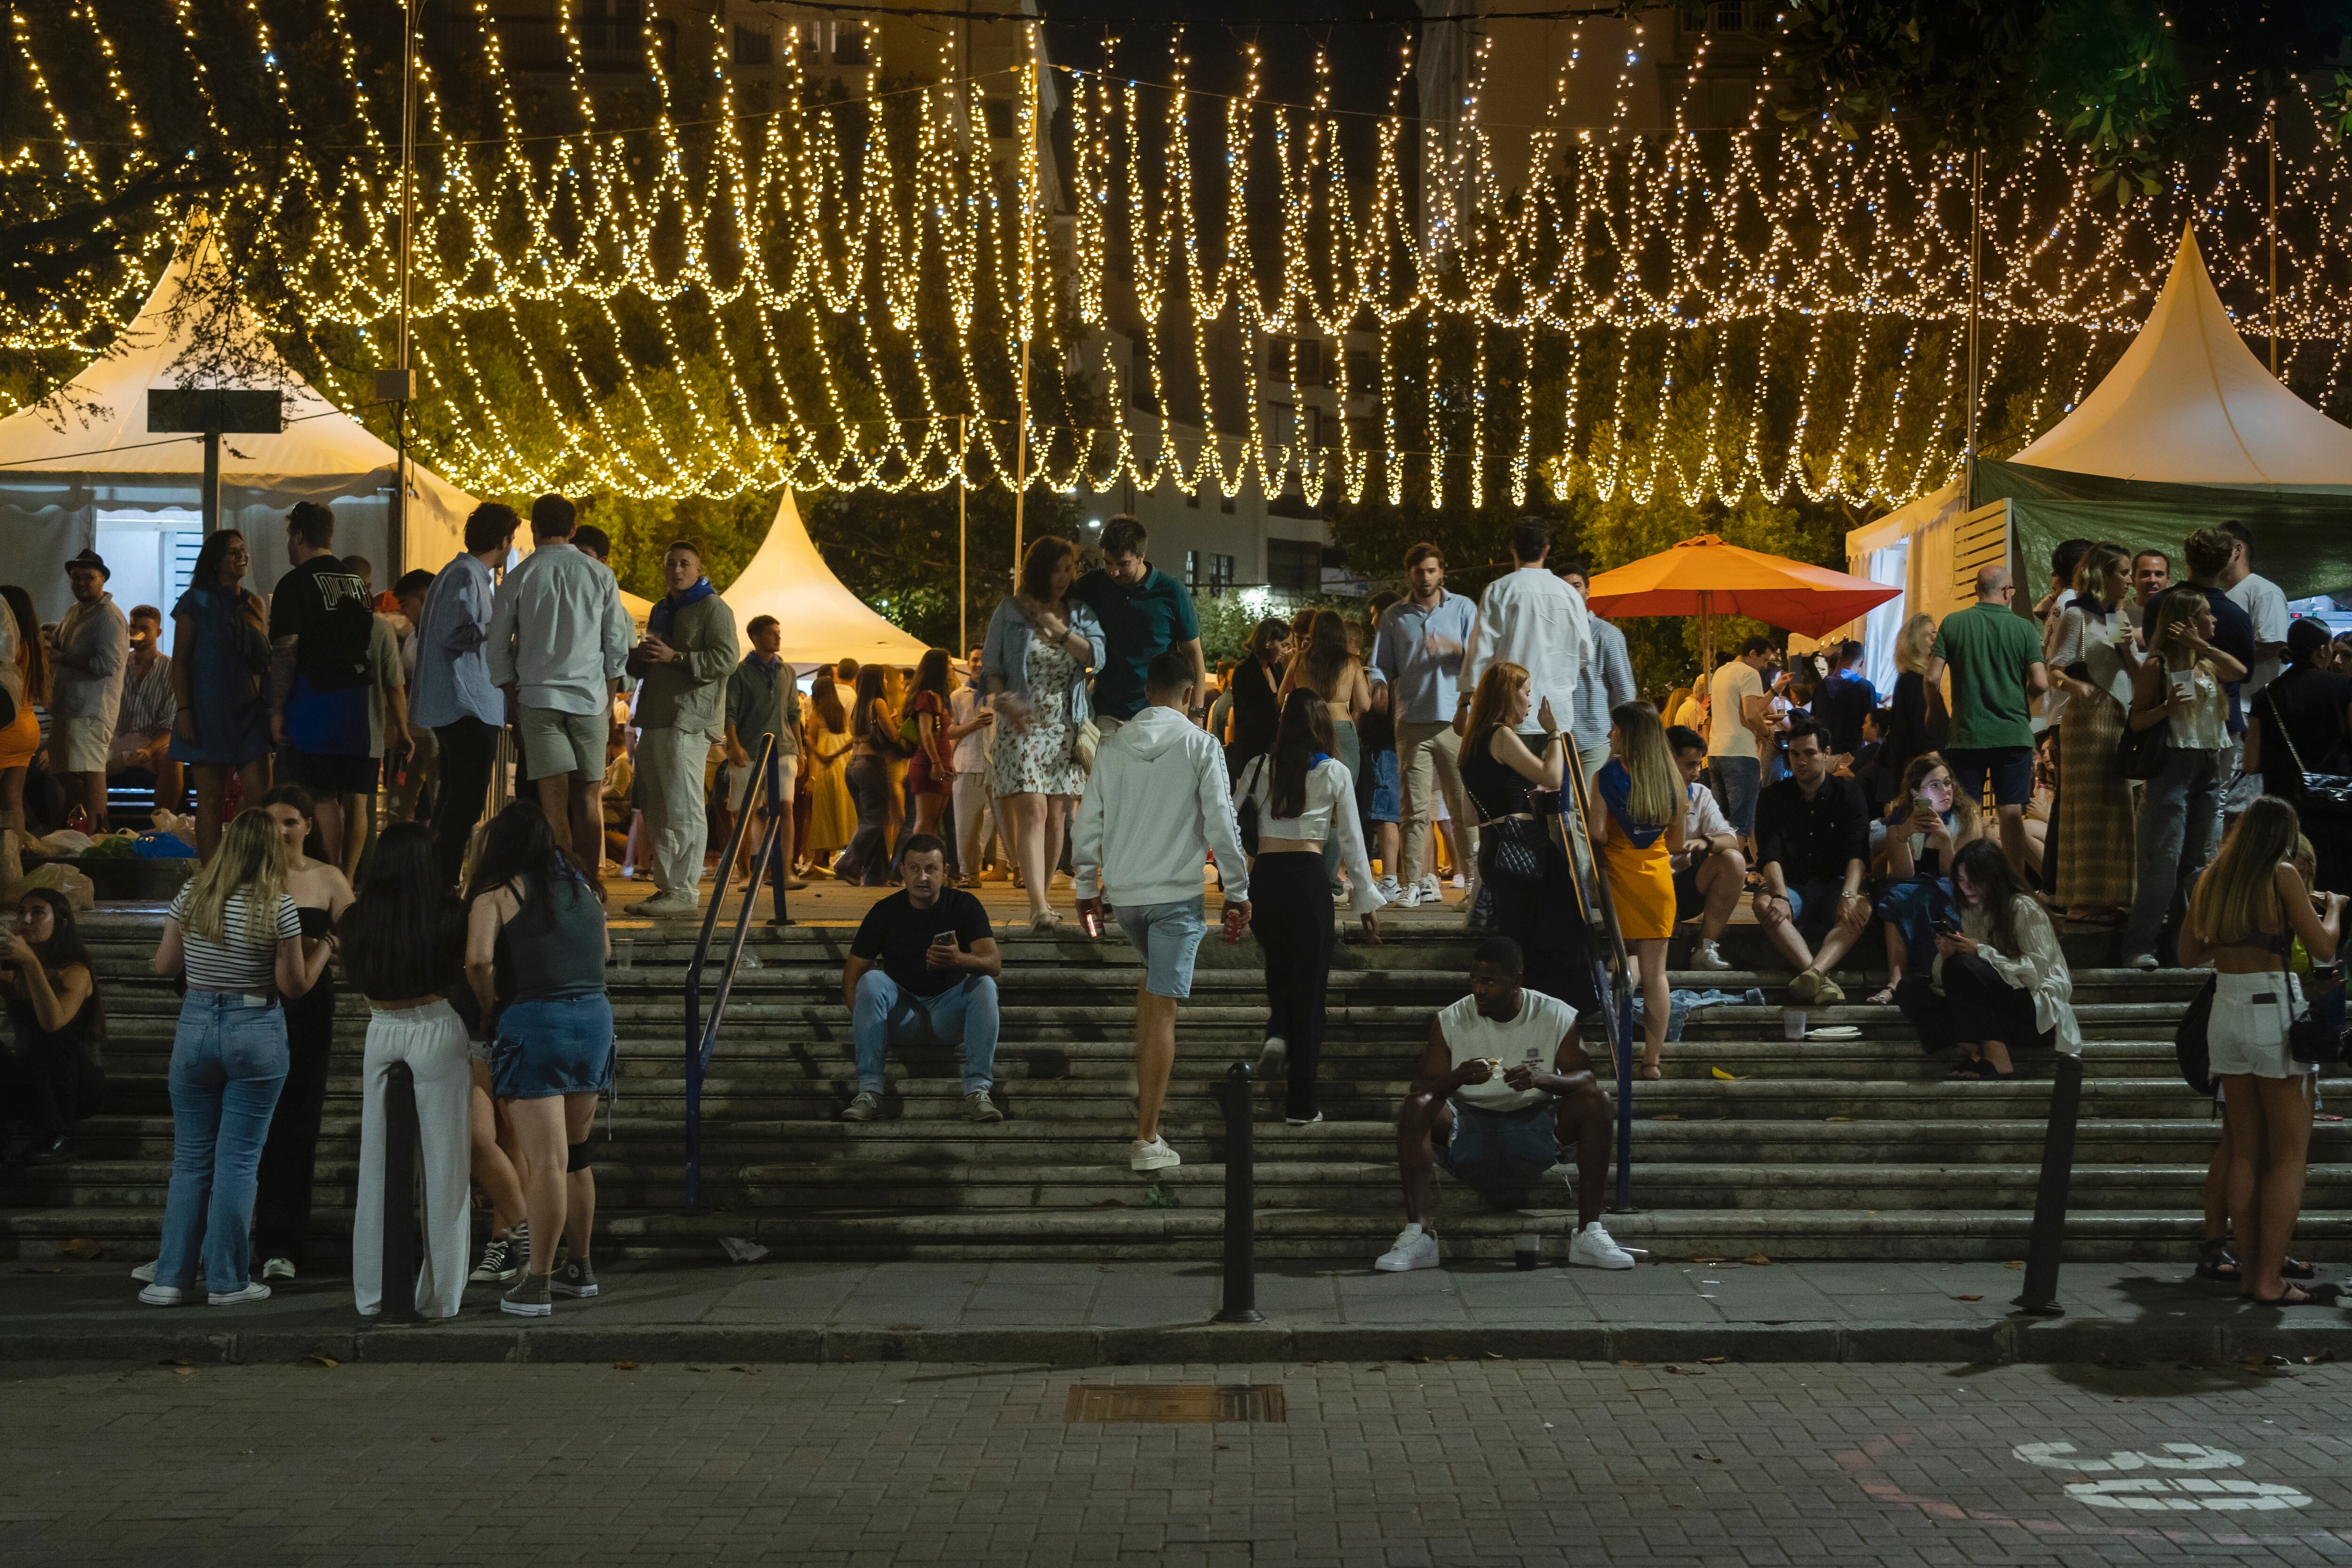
(1138, 624)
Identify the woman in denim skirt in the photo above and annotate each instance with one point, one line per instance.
(238, 936)
(535, 953)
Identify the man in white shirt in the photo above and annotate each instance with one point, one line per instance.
(1530, 618)
(2264, 602)
(1502, 1088)
(971, 729)
(1739, 728)
(1609, 683)
(1710, 873)
(1156, 804)
(559, 639)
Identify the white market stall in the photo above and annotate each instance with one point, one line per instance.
(823, 621)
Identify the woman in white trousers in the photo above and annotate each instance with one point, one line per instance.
(406, 935)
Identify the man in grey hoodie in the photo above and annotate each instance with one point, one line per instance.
(1155, 806)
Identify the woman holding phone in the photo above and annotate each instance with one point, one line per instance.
(2003, 974)
(2180, 686)
(1928, 825)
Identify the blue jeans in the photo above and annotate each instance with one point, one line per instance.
(229, 1061)
(2180, 824)
(963, 1014)
(1739, 779)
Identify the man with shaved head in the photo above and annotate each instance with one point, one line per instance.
(1995, 657)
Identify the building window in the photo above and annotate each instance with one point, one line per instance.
(1226, 505)
(1208, 572)
(1294, 565)
(998, 112)
(849, 46)
(1732, 15)
(754, 47)
(1309, 361)
(1363, 372)
(1192, 500)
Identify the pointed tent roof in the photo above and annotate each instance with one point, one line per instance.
(322, 455)
(2189, 404)
(823, 621)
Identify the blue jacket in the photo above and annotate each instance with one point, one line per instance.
(1005, 653)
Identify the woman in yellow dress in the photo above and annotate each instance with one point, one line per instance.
(1639, 831)
(824, 749)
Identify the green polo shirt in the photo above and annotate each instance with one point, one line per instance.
(1139, 623)
(1989, 648)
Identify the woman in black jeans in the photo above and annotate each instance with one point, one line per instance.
(871, 728)
(2004, 975)
(49, 1073)
(2301, 723)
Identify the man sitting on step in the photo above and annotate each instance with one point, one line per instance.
(1812, 843)
(1483, 1104)
(923, 966)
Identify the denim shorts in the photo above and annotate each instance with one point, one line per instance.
(1383, 802)
(552, 1046)
(1500, 1145)
(1168, 935)
(1813, 907)
(1738, 780)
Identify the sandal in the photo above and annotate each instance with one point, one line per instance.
(1881, 997)
(2296, 1268)
(1648, 1072)
(1969, 1071)
(2214, 1262)
(2288, 1296)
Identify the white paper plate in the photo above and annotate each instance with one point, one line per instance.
(1834, 1032)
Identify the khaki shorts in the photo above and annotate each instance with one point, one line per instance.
(739, 781)
(80, 746)
(557, 743)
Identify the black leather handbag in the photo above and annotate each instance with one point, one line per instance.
(2320, 795)
(2140, 753)
(2189, 1047)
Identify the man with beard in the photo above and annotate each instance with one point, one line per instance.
(1504, 1085)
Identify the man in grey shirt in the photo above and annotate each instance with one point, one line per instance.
(559, 639)
(93, 645)
(685, 660)
(1607, 683)
(1418, 652)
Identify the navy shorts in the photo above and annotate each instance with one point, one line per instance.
(2010, 768)
(1814, 907)
(1499, 1146)
(1689, 902)
(552, 1046)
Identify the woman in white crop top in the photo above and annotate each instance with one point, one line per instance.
(1304, 797)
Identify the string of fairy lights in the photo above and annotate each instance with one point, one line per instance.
(814, 280)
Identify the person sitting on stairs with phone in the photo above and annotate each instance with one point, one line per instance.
(923, 966)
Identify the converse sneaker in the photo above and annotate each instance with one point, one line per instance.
(252, 1292)
(864, 1107)
(575, 1278)
(161, 1295)
(1155, 1156)
(502, 1260)
(528, 1298)
(1414, 1248)
(277, 1269)
(1706, 955)
(1594, 1247)
(145, 1272)
(978, 1107)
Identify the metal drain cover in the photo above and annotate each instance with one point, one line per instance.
(1174, 1404)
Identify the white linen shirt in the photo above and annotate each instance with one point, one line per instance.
(1531, 618)
(559, 634)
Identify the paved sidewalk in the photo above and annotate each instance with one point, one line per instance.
(1073, 1314)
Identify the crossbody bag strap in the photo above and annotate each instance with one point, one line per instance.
(2280, 725)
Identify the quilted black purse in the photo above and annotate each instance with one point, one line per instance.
(2321, 794)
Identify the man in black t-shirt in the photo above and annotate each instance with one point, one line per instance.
(321, 623)
(924, 967)
(1812, 843)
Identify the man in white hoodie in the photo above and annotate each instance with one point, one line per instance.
(1155, 806)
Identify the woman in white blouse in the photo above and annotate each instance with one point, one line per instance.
(2181, 686)
(1304, 797)
(2003, 973)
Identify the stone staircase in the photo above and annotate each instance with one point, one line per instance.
(1752, 1144)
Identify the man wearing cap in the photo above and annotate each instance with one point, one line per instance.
(93, 645)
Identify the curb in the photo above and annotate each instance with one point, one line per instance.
(2012, 1340)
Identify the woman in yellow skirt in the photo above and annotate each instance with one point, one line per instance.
(825, 744)
(1639, 829)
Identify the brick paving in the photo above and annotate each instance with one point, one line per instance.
(1493, 1463)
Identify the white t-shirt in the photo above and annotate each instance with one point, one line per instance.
(1701, 822)
(971, 751)
(2264, 602)
(1727, 736)
(1531, 1039)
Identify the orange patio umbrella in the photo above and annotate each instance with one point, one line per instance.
(1706, 578)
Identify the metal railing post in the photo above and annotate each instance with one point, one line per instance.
(403, 1255)
(1241, 1203)
(2040, 1296)
(1612, 971)
(700, 1040)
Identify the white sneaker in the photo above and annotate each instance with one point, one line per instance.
(1274, 1060)
(160, 1295)
(145, 1272)
(1706, 955)
(1390, 890)
(252, 1292)
(1414, 1248)
(1155, 1155)
(864, 1107)
(662, 906)
(1594, 1247)
(1408, 898)
(1302, 1121)
(277, 1269)
(1431, 893)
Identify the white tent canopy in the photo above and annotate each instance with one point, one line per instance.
(61, 473)
(822, 620)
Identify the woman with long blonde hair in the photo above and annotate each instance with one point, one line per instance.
(1638, 835)
(1919, 720)
(2182, 686)
(2250, 908)
(2094, 657)
(235, 932)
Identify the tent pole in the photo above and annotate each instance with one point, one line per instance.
(396, 530)
(212, 518)
(1976, 251)
(964, 566)
(2272, 137)
(1020, 465)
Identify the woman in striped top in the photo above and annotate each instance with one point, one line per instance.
(236, 934)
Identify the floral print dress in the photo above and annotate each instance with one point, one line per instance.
(1036, 758)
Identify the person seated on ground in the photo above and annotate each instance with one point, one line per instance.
(141, 752)
(924, 967)
(1812, 841)
(2001, 975)
(49, 1072)
(1927, 826)
(2044, 799)
(1483, 1104)
(1710, 871)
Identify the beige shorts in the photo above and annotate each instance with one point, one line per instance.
(558, 742)
(80, 746)
(738, 781)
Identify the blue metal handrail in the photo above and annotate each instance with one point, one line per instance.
(701, 1038)
(1613, 969)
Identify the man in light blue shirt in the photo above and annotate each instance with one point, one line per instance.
(1419, 653)
(559, 639)
(452, 693)
(1606, 684)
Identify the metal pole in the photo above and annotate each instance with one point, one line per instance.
(396, 530)
(1020, 465)
(2273, 138)
(211, 519)
(2040, 1296)
(402, 1255)
(1240, 1204)
(1625, 1204)
(1976, 249)
(963, 544)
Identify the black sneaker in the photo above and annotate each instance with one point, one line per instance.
(502, 1260)
(575, 1278)
(529, 1298)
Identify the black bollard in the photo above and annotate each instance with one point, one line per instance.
(1240, 1204)
(2040, 1297)
(403, 1252)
